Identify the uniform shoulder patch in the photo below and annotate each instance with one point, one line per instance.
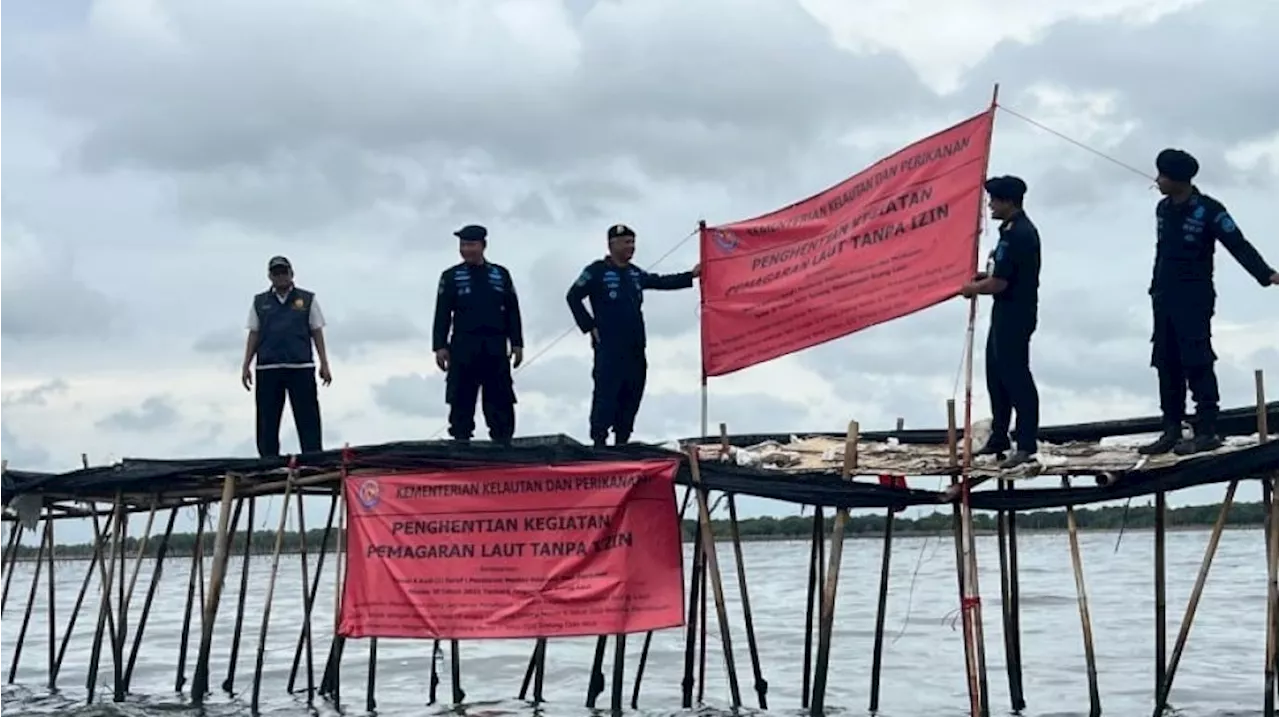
(1225, 222)
(584, 277)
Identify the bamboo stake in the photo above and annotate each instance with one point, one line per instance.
(648, 637)
(308, 603)
(1082, 598)
(31, 599)
(1270, 528)
(713, 566)
(370, 702)
(1160, 601)
(107, 570)
(760, 684)
(306, 611)
(966, 620)
(221, 546)
(52, 616)
(817, 576)
(691, 628)
(229, 683)
(196, 565)
(1018, 700)
(882, 601)
(1006, 600)
(18, 530)
(94, 561)
(137, 561)
(619, 658)
(156, 574)
(595, 684)
(1185, 630)
(828, 614)
(455, 673)
(271, 590)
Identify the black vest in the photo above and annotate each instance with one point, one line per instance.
(284, 329)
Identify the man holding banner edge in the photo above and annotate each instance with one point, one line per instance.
(615, 288)
(1012, 279)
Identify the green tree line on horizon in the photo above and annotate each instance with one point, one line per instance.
(263, 541)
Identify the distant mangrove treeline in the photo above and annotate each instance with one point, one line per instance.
(763, 528)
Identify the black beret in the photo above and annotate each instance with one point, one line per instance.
(1006, 187)
(621, 230)
(1177, 165)
(472, 232)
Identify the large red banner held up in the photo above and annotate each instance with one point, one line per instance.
(898, 237)
(588, 548)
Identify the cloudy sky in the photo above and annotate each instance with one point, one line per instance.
(156, 154)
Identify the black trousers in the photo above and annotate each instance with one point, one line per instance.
(1011, 385)
(299, 384)
(473, 369)
(1183, 357)
(619, 378)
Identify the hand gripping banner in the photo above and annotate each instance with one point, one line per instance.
(589, 548)
(898, 237)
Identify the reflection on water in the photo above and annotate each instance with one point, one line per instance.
(923, 675)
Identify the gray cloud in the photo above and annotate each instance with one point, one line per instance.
(19, 454)
(153, 413)
(365, 331)
(262, 142)
(1218, 103)
(412, 394)
(37, 396)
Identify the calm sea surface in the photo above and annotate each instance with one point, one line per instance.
(1220, 674)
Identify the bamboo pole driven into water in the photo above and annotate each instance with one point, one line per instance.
(271, 590)
(759, 683)
(970, 659)
(713, 569)
(1018, 699)
(221, 546)
(228, 684)
(45, 545)
(156, 574)
(1270, 527)
(106, 569)
(194, 579)
(52, 607)
(1082, 599)
(828, 613)
(1161, 619)
(95, 560)
(817, 576)
(882, 601)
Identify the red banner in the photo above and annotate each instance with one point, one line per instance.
(898, 237)
(522, 551)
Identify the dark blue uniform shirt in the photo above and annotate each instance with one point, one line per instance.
(1016, 259)
(479, 303)
(1185, 236)
(616, 294)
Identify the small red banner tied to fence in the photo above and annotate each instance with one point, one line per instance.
(513, 551)
(896, 238)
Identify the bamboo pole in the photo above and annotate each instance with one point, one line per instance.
(221, 546)
(760, 684)
(306, 610)
(1185, 630)
(1270, 528)
(52, 610)
(713, 566)
(308, 604)
(1082, 599)
(882, 601)
(828, 613)
(228, 684)
(107, 570)
(197, 565)
(31, 599)
(94, 560)
(370, 701)
(966, 621)
(619, 658)
(271, 590)
(595, 684)
(17, 531)
(1018, 700)
(817, 576)
(455, 673)
(691, 627)
(156, 574)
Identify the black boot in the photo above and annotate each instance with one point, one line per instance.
(1167, 441)
(995, 446)
(1204, 439)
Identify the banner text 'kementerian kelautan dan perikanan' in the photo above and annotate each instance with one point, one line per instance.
(587, 548)
(897, 237)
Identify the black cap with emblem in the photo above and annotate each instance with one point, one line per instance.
(472, 232)
(1006, 187)
(617, 231)
(278, 262)
(1177, 165)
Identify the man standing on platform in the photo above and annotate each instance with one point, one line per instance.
(615, 287)
(283, 323)
(1012, 279)
(477, 299)
(1182, 301)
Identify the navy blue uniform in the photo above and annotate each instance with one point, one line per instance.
(616, 294)
(1016, 260)
(478, 302)
(1182, 303)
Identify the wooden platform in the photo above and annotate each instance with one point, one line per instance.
(821, 453)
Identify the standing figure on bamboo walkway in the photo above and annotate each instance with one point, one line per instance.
(284, 322)
(1188, 223)
(1012, 279)
(615, 287)
(477, 300)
